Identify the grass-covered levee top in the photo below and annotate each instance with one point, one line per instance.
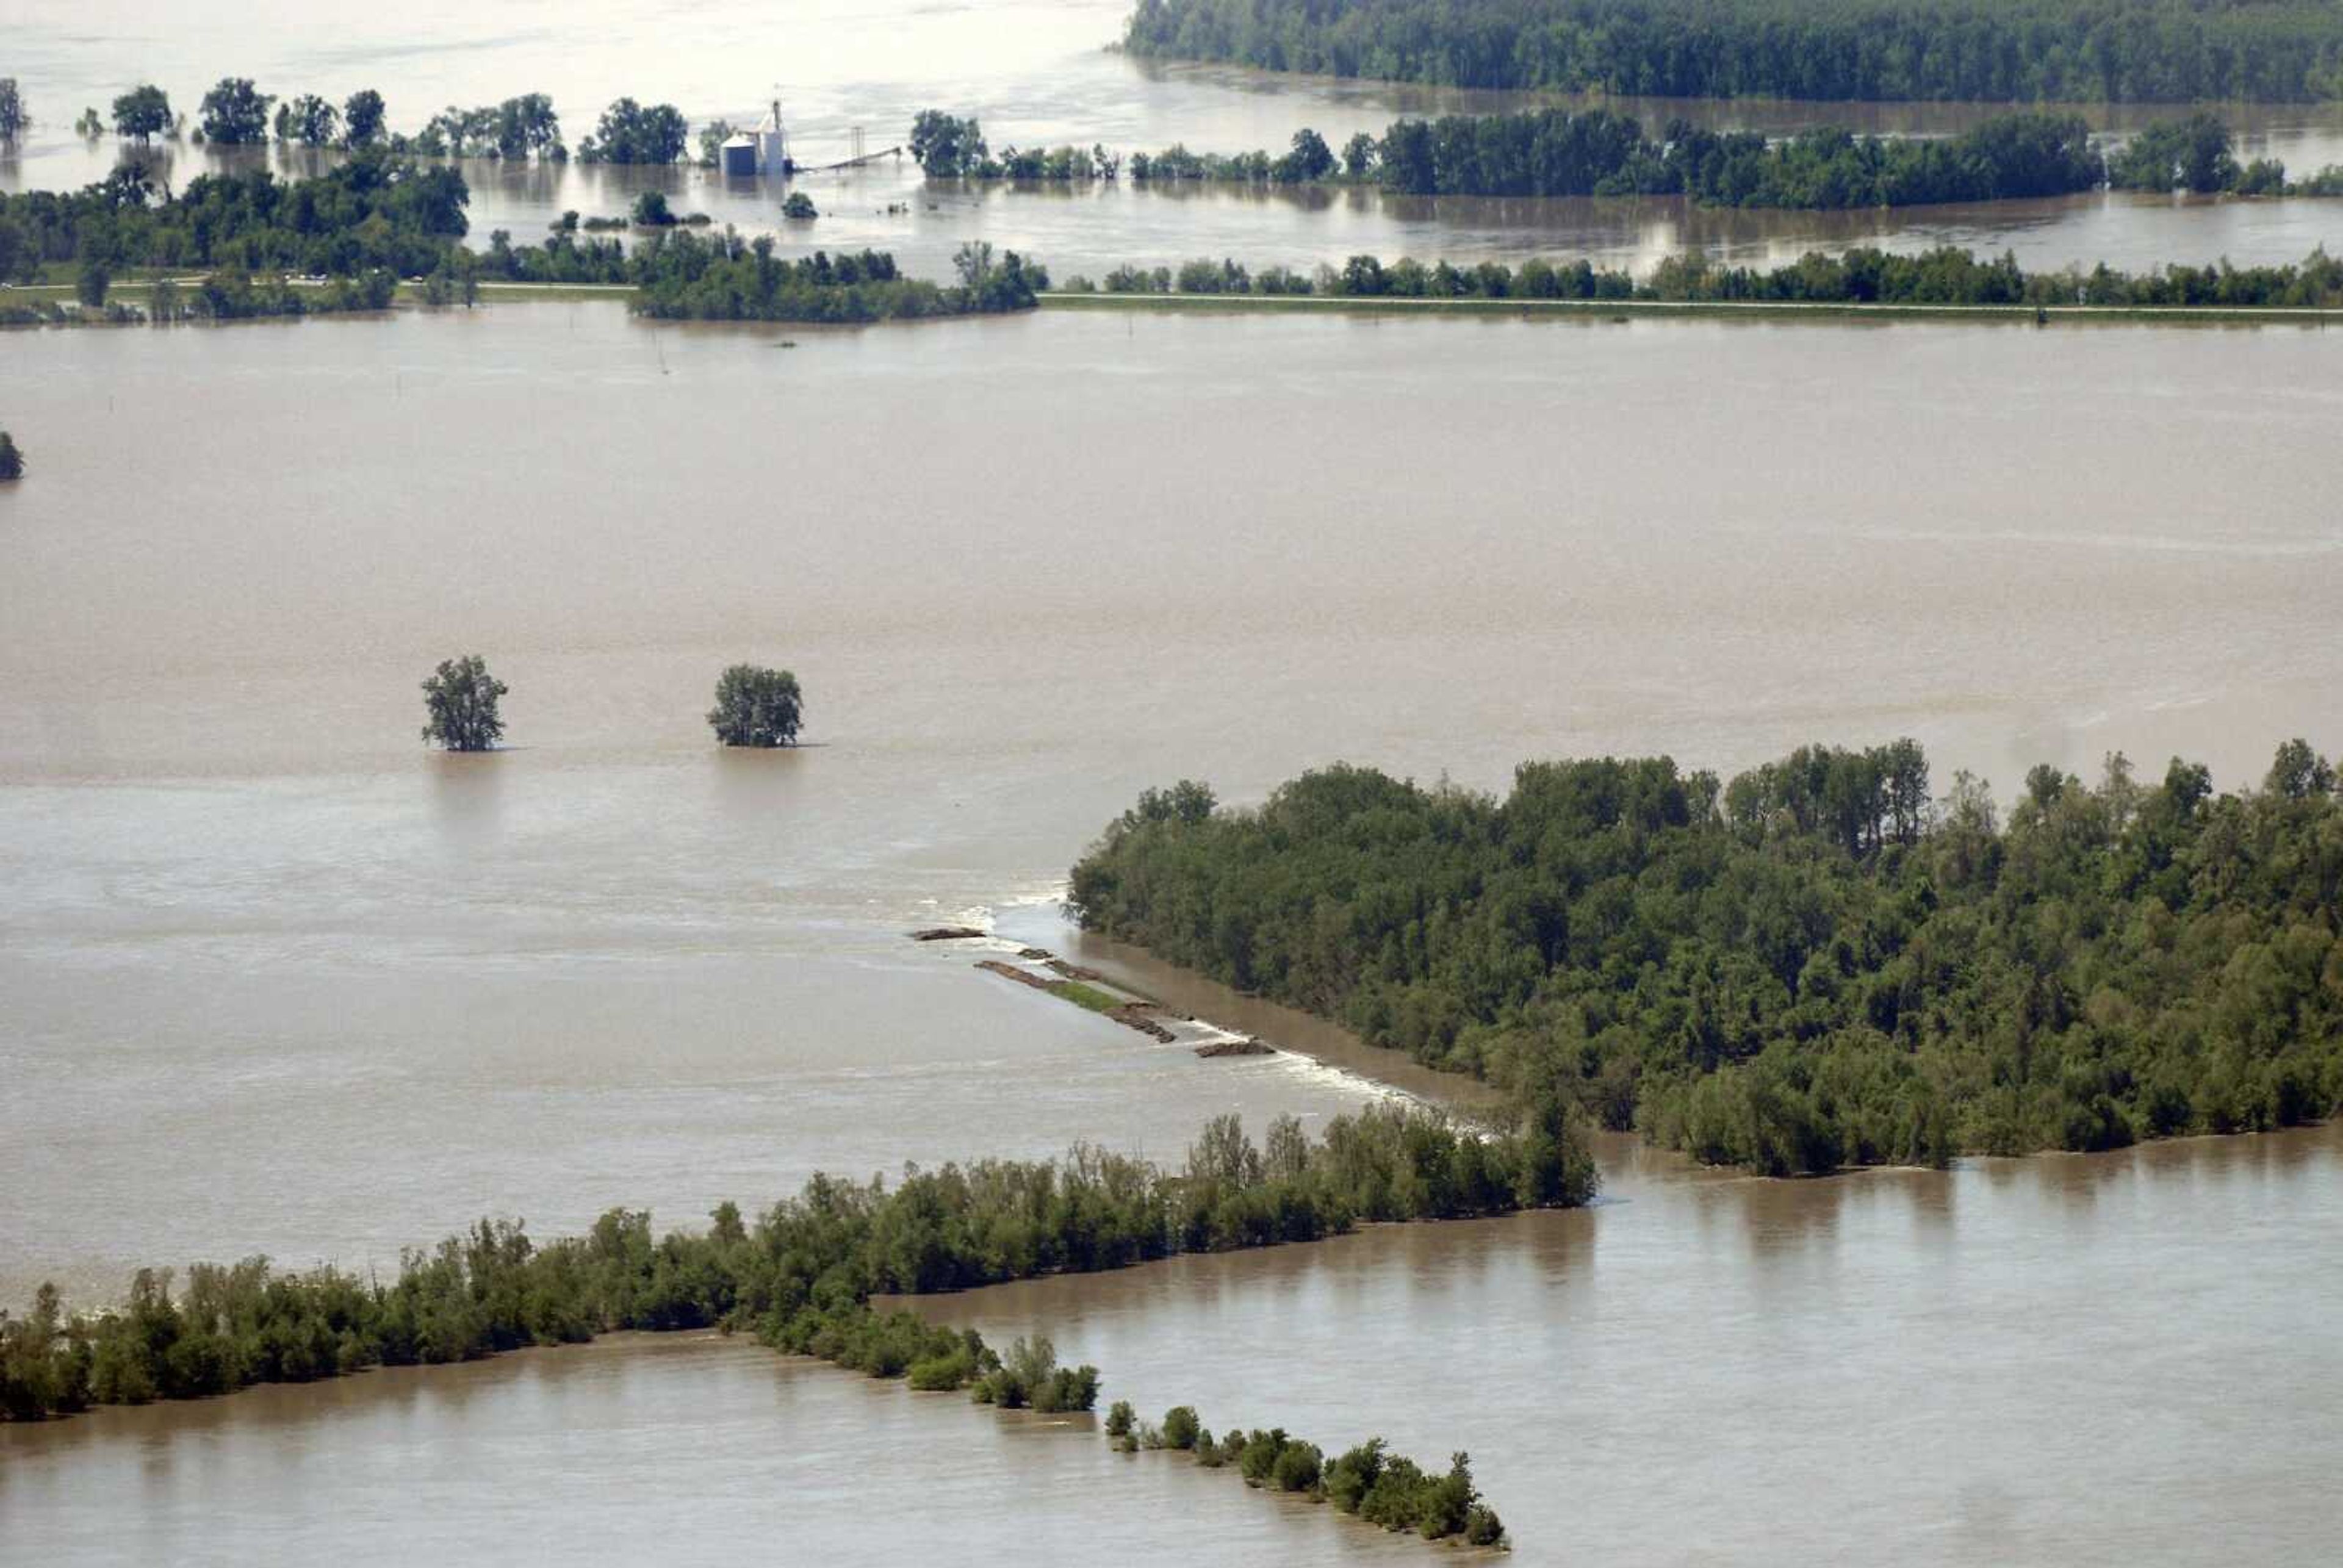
(1815, 964)
(802, 1276)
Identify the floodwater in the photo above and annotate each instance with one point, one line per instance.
(2121, 1360)
(683, 1448)
(2112, 1360)
(1038, 73)
(279, 980)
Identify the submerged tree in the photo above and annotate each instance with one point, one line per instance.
(630, 133)
(12, 118)
(945, 145)
(12, 461)
(235, 112)
(756, 707)
(143, 113)
(311, 121)
(461, 700)
(362, 118)
(712, 138)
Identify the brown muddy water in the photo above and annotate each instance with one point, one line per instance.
(277, 981)
(2125, 1359)
(1036, 72)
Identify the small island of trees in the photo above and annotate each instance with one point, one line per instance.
(1368, 1481)
(460, 699)
(1810, 965)
(756, 707)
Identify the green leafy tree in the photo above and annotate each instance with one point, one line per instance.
(362, 118)
(460, 699)
(91, 284)
(629, 133)
(526, 127)
(652, 210)
(1310, 159)
(235, 113)
(142, 113)
(945, 145)
(756, 707)
(712, 138)
(312, 121)
(799, 208)
(2192, 154)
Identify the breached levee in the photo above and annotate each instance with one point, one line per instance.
(1130, 1012)
(1043, 970)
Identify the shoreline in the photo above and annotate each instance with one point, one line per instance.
(409, 296)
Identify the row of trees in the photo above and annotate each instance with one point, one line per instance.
(754, 706)
(237, 113)
(1595, 152)
(801, 1277)
(1864, 275)
(1816, 964)
(229, 294)
(1368, 1481)
(1984, 51)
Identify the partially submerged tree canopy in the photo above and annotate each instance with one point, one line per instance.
(756, 707)
(12, 461)
(461, 698)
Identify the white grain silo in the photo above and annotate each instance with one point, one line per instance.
(773, 143)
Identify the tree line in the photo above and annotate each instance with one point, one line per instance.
(1983, 50)
(235, 113)
(1815, 964)
(1947, 276)
(1599, 153)
(1368, 1481)
(801, 1277)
